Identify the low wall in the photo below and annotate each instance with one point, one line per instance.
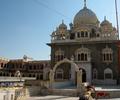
(107, 94)
(104, 82)
(63, 84)
(37, 83)
(37, 87)
(64, 92)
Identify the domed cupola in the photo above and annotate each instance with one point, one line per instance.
(85, 16)
(106, 25)
(107, 30)
(62, 29)
(60, 33)
(62, 26)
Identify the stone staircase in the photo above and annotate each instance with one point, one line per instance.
(63, 92)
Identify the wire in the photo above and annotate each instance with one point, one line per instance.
(49, 8)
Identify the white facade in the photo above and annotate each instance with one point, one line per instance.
(7, 94)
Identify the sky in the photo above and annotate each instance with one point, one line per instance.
(26, 25)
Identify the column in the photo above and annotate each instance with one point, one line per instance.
(80, 86)
(76, 35)
(89, 73)
(72, 73)
(51, 77)
(79, 79)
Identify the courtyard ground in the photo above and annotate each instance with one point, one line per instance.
(60, 98)
(53, 98)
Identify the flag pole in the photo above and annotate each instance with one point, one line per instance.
(117, 18)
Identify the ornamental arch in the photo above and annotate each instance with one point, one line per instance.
(78, 72)
(66, 61)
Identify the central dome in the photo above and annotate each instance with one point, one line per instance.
(85, 16)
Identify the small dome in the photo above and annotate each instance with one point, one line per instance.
(85, 16)
(114, 29)
(53, 33)
(105, 22)
(63, 26)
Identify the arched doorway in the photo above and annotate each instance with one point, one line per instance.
(83, 75)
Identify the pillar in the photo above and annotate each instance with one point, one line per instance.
(79, 78)
(72, 73)
(80, 86)
(51, 77)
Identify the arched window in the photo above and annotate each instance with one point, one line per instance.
(5, 65)
(2, 65)
(98, 35)
(59, 74)
(30, 75)
(59, 55)
(12, 75)
(3, 74)
(82, 33)
(82, 54)
(0, 73)
(82, 57)
(86, 34)
(41, 66)
(95, 73)
(33, 75)
(30, 67)
(23, 75)
(38, 77)
(34, 67)
(78, 35)
(41, 76)
(7, 74)
(85, 57)
(79, 57)
(93, 33)
(107, 54)
(108, 74)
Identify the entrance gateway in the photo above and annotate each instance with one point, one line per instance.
(78, 74)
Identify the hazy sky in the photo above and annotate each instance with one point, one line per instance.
(26, 25)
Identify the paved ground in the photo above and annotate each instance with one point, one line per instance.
(60, 98)
(53, 98)
(100, 88)
(111, 99)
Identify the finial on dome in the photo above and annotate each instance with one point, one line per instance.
(85, 3)
(104, 17)
(62, 21)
